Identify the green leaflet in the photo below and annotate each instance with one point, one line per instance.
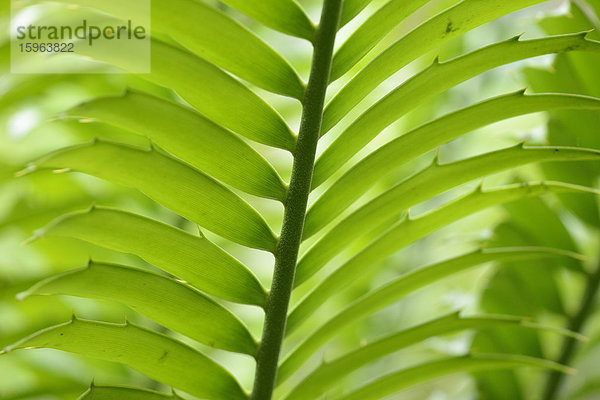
(218, 39)
(282, 15)
(351, 9)
(403, 379)
(215, 93)
(170, 182)
(426, 184)
(172, 304)
(435, 79)
(191, 258)
(428, 136)
(450, 23)
(371, 32)
(156, 355)
(222, 40)
(191, 137)
(394, 291)
(124, 393)
(410, 230)
(330, 372)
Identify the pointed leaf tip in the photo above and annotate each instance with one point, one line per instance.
(26, 171)
(22, 296)
(518, 37)
(27, 241)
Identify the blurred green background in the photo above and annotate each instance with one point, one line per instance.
(29, 128)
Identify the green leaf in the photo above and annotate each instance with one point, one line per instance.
(371, 32)
(156, 355)
(218, 39)
(170, 182)
(426, 184)
(192, 258)
(124, 393)
(433, 80)
(456, 20)
(172, 304)
(223, 41)
(410, 230)
(403, 379)
(331, 372)
(189, 136)
(214, 93)
(428, 136)
(351, 9)
(396, 290)
(282, 15)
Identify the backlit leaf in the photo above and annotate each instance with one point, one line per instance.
(189, 136)
(158, 356)
(424, 185)
(215, 93)
(170, 182)
(172, 304)
(191, 258)
(433, 80)
(283, 15)
(410, 230)
(456, 20)
(399, 288)
(426, 137)
(403, 379)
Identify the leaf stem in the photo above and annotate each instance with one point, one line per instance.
(286, 255)
(576, 324)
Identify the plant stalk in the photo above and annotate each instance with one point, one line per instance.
(576, 324)
(286, 256)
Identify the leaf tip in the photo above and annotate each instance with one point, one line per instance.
(22, 296)
(436, 158)
(26, 171)
(585, 34)
(479, 188)
(36, 236)
(518, 37)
